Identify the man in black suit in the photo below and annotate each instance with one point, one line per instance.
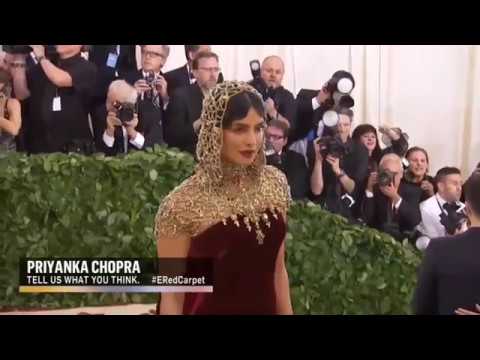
(183, 76)
(113, 62)
(183, 112)
(449, 277)
(151, 86)
(292, 164)
(389, 205)
(279, 102)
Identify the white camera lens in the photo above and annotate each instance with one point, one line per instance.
(345, 85)
(330, 118)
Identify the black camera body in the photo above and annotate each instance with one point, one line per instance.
(266, 92)
(453, 221)
(332, 145)
(339, 86)
(17, 49)
(259, 84)
(50, 50)
(125, 111)
(150, 79)
(385, 177)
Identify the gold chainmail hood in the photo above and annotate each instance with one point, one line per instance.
(208, 197)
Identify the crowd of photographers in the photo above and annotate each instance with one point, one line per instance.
(73, 98)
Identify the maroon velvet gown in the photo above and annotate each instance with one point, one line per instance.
(243, 272)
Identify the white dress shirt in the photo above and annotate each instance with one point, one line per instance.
(431, 210)
(137, 142)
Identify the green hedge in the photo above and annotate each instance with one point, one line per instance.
(75, 206)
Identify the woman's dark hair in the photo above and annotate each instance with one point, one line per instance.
(190, 48)
(239, 105)
(415, 149)
(472, 192)
(363, 129)
(345, 111)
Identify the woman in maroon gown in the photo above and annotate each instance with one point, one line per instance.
(232, 210)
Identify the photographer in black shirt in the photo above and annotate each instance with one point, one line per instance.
(339, 164)
(58, 90)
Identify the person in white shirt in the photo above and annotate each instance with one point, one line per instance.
(445, 201)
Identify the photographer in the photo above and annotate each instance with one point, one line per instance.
(59, 90)
(279, 102)
(338, 164)
(292, 164)
(367, 135)
(417, 172)
(126, 130)
(389, 205)
(442, 214)
(152, 89)
(113, 62)
(10, 112)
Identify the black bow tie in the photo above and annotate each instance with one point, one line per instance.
(451, 207)
(190, 75)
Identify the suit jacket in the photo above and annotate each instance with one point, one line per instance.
(378, 212)
(126, 63)
(307, 118)
(184, 108)
(283, 99)
(179, 78)
(293, 165)
(431, 211)
(449, 276)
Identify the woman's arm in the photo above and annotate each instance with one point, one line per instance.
(172, 303)
(14, 123)
(282, 286)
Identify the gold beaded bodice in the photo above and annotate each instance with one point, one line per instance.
(218, 191)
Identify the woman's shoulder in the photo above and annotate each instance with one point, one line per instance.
(272, 174)
(174, 210)
(276, 184)
(179, 210)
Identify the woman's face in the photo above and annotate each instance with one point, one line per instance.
(243, 139)
(418, 163)
(369, 140)
(344, 126)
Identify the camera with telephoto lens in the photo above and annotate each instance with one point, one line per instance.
(385, 177)
(453, 221)
(259, 84)
(332, 145)
(340, 85)
(125, 111)
(50, 50)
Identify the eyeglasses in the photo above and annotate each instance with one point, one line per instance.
(211, 69)
(152, 54)
(274, 137)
